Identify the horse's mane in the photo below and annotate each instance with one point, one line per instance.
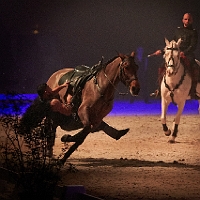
(110, 60)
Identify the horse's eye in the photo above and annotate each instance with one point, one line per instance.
(127, 64)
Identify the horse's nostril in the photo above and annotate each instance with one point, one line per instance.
(135, 90)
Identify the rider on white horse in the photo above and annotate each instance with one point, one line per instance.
(189, 40)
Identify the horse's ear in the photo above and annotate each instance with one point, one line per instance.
(133, 54)
(179, 41)
(122, 56)
(166, 42)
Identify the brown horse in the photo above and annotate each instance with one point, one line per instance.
(97, 94)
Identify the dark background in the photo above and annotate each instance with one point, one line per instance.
(77, 32)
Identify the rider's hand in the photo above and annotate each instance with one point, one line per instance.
(158, 52)
(66, 83)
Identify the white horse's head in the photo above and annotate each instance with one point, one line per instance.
(172, 56)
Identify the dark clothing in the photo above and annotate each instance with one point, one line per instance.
(189, 41)
(188, 45)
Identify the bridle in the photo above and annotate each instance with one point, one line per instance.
(122, 76)
(171, 59)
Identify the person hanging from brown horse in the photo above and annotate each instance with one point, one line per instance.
(188, 45)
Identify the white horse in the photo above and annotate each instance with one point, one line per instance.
(175, 86)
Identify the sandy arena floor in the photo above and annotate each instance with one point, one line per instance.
(142, 164)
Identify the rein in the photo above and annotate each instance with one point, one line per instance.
(120, 93)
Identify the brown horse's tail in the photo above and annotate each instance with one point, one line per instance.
(34, 115)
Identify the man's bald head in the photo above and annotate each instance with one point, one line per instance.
(187, 20)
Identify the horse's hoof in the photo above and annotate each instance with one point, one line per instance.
(122, 133)
(168, 132)
(66, 138)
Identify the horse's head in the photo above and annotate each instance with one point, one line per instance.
(172, 56)
(128, 73)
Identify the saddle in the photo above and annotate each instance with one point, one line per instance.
(77, 78)
(75, 75)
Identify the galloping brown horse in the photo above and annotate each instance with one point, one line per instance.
(97, 94)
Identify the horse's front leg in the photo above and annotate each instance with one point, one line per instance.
(176, 122)
(83, 113)
(164, 106)
(82, 135)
